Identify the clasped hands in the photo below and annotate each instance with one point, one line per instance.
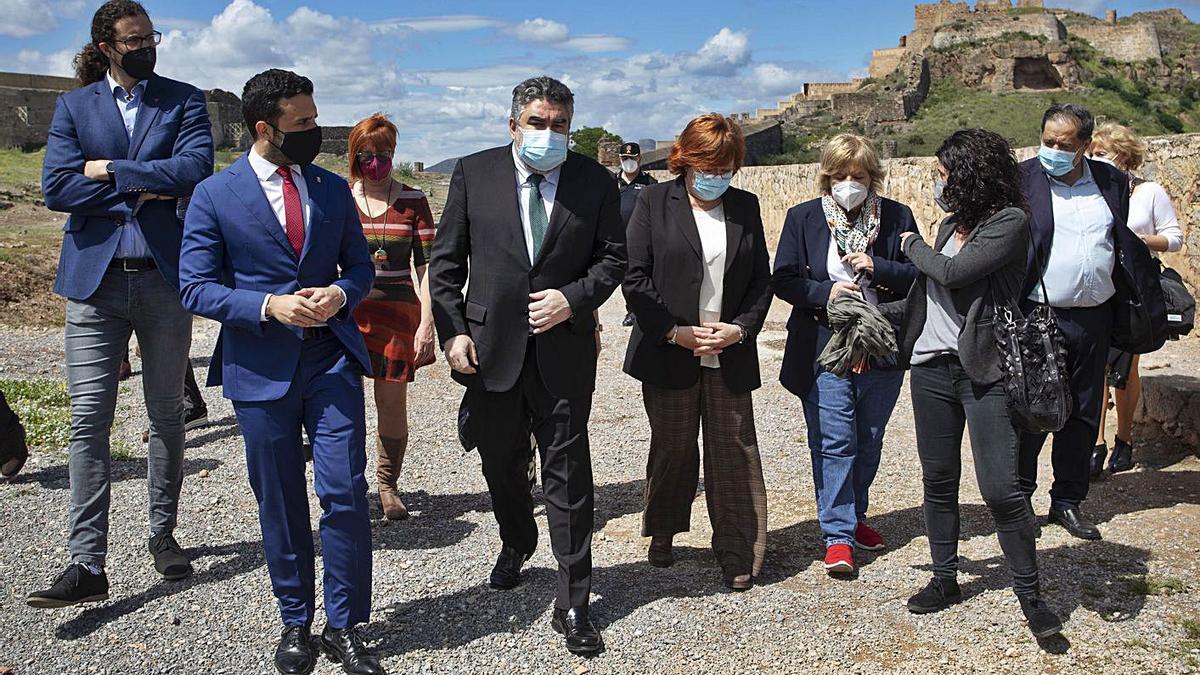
(97, 169)
(547, 309)
(707, 339)
(306, 307)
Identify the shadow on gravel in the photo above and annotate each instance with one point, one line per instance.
(1098, 576)
(456, 619)
(1135, 491)
(242, 557)
(55, 477)
(217, 430)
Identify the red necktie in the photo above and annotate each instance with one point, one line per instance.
(293, 213)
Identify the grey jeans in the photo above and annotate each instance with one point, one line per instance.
(97, 333)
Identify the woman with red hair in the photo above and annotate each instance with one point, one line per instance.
(698, 283)
(395, 318)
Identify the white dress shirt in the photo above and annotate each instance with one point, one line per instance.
(711, 226)
(840, 271)
(272, 186)
(1151, 212)
(132, 243)
(548, 188)
(1079, 272)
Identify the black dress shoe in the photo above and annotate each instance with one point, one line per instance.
(628, 320)
(13, 449)
(74, 585)
(507, 572)
(295, 654)
(1098, 454)
(1072, 521)
(1042, 622)
(1122, 457)
(169, 559)
(937, 595)
(347, 648)
(577, 629)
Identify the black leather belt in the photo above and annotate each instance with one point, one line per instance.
(132, 264)
(316, 332)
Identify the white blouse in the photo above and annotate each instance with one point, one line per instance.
(1151, 212)
(840, 271)
(711, 226)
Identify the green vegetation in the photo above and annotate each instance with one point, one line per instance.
(19, 169)
(44, 409)
(1150, 585)
(587, 139)
(1017, 115)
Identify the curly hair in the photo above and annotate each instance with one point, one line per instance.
(984, 176)
(90, 63)
(537, 88)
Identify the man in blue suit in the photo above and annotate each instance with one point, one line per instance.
(123, 149)
(263, 242)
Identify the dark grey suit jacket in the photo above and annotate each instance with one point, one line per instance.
(990, 264)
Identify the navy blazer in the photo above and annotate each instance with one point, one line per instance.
(235, 252)
(1140, 312)
(170, 152)
(802, 279)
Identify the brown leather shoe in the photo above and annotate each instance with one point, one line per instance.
(391, 458)
(660, 552)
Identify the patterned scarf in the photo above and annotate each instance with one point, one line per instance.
(858, 236)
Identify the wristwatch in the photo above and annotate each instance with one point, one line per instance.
(109, 168)
(742, 331)
(674, 332)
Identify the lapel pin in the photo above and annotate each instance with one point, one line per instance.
(318, 179)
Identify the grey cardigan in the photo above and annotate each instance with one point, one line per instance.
(990, 263)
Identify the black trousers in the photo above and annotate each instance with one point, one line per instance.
(944, 399)
(1087, 332)
(501, 422)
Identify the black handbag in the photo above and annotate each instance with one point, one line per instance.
(1033, 362)
(1181, 306)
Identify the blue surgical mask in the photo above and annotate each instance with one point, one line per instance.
(1056, 162)
(709, 186)
(939, 189)
(542, 149)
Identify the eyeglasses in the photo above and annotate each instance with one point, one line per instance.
(138, 41)
(364, 157)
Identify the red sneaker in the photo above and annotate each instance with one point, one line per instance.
(839, 559)
(866, 538)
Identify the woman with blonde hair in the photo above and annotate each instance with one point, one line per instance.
(845, 241)
(395, 318)
(1152, 217)
(699, 285)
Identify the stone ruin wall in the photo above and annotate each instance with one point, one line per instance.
(1046, 26)
(1128, 42)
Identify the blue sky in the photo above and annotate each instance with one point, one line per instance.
(444, 71)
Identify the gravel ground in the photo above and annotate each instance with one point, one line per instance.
(434, 613)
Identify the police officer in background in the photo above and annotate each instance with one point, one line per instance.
(630, 181)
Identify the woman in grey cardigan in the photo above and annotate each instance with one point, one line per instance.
(977, 260)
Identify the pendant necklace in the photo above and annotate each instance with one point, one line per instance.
(380, 253)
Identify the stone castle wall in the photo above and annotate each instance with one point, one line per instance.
(885, 61)
(1127, 42)
(1045, 26)
(1173, 161)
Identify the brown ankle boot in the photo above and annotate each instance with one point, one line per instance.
(387, 472)
(660, 552)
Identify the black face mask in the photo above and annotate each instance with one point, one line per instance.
(301, 147)
(139, 63)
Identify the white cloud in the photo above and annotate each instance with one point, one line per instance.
(24, 18)
(54, 63)
(450, 23)
(541, 30)
(722, 54)
(592, 44)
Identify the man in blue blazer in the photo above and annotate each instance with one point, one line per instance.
(123, 149)
(1102, 285)
(262, 247)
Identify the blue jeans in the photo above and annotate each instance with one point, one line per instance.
(97, 336)
(846, 418)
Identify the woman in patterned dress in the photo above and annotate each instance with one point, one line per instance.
(395, 318)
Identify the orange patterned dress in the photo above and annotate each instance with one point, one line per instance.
(390, 314)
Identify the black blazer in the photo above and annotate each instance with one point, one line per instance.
(480, 245)
(1139, 309)
(662, 286)
(802, 279)
(989, 266)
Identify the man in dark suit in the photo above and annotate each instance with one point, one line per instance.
(1100, 282)
(263, 244)
(533, 233)
(123, 148)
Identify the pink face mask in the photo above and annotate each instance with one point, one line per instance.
(376, 168)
